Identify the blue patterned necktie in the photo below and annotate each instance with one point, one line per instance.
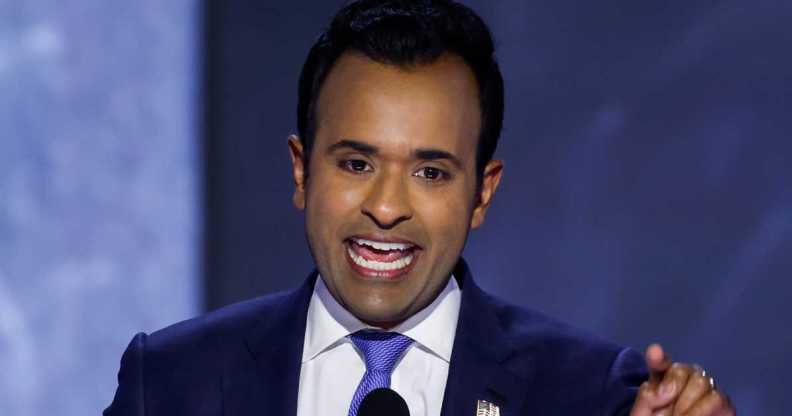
(381, 350)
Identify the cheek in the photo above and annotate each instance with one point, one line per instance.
(335, 197)
(446, 216)
(331, 204)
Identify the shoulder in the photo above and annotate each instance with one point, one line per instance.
(563, 356)
(213, 334)
(525, 332)
(178, 369)
(531, 330)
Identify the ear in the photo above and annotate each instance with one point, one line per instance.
(298, 170)
(489, 184)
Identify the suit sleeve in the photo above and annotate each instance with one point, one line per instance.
(129, 398)
(624, 379)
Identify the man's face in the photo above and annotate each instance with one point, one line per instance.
(392, 191)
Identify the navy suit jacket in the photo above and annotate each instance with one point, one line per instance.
(245, 359)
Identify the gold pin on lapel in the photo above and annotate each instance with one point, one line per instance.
(485, 408)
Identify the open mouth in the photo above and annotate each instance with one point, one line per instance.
(388, 259)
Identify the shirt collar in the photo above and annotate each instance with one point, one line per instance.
(432, 328)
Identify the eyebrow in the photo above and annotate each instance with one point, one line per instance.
(355, 145)
(436, 154)
(421, 154)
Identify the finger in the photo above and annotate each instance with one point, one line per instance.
(713, 404)
(649, 400)
(671, 386)
(698, 385)
(666, 411)
(657, 361)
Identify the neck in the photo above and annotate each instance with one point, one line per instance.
(385, 326)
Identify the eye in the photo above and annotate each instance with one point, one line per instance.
(431, 174)
(355, 165)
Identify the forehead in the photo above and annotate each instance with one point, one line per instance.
(398, 108)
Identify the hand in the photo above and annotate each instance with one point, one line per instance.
(678, 389)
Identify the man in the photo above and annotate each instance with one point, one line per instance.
(400, 109)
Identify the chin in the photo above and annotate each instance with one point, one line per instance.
(379, 317)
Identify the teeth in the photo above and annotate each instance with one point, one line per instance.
(379, 245)
(378, 265)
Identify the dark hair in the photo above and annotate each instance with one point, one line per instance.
(405, 33)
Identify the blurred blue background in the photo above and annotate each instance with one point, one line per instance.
(144, 178)
(99, 192)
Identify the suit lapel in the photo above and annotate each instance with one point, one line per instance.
(483, 366)
(267, 380)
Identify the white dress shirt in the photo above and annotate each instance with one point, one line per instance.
(332, 367)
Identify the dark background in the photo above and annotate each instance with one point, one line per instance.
(646, 194)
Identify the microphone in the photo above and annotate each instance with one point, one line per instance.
(383, 402)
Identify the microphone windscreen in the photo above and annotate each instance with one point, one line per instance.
(383, 402)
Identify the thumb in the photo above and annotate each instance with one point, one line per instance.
(650, 398)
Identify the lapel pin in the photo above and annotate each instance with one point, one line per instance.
(485, 408)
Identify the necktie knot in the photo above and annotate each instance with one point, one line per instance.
(381, 350)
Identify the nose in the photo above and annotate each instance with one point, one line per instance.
(388, 201)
